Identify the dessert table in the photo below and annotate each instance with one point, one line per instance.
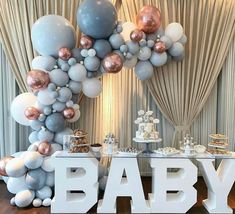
(76, 191)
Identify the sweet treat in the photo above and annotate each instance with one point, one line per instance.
(78, 142)
(199, 149)
(218, 152)
(146, 126)
(129, 151)
(167, 151)
(110, 144)
(96, 147)
(218, 144)
(187, 146)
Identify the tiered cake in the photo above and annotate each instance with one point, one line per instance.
(146, 126)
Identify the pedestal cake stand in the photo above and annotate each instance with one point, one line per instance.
(147, 142)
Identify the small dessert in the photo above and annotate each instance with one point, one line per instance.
(218, 152)
(218, 143)
(96, 147)
(199, 149)
(187, 146)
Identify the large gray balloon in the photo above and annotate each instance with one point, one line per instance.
(77, 72)
(59, 77)
(35, 179)
(55, 122)
(97, 18)
(102, 48)
(92, 63)
(116, 40)
(177, 49)
(58, 106)
(43, 63)
(144, 70)
(75, 87)
(65, 94)
(59, 135)
(52, 32)
(158, 59)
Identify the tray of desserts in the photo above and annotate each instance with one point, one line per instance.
(167, 151)
(218, 144)
(128, 151)
(219, 152)
(218, 136)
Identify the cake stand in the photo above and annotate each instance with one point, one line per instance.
(147, 142)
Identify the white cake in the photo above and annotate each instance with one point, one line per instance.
(146, 126)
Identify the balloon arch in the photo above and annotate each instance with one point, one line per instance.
(62, 71)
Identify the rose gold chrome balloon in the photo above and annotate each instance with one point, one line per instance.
(159, 47)
(65, 53)
(32, 113)
(112, 63)
(136, 35)
(44, 148)
(37, 79)
(69, 113)
(148, 19)
(3, 163)
(86, 42)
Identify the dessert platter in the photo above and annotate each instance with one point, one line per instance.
(129, 151)
(167, 151)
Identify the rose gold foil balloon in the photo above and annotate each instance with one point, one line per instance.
(32, 113)
(44, 148)
(159, 47)
(148, 19)
(112, 63)
(37, 79)
(69, 113)
(65, 53)
(3, 163)
(86, 42)
(136, 35)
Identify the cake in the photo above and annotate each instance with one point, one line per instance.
(146, 126)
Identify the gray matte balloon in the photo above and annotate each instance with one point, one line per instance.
(43, 63)
(55, 122)
(144, 70)
(33, 137)
(176, 49)
(152, 36)
(158, 59)
(180, 57)
(45, 135)
(75, 87)
(36, 124)
(77, 72)
(47, 110)
(183, 39)
(133, 47)
(167, 40)
(59, 77)
(97, 18)
(35, 179)
(59, 135)
(160, 31)
(116, 41)
(92, 63)
(102, 48)
(76, 53)
(59, 106)
(144, 54)
(65, 94)
(75, 98)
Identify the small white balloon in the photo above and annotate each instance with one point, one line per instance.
(37, 202)
(91, 87)
(12, 201)
(15, 167)
(175, 31)
(46, 202)
(91, 52)
(24, 198)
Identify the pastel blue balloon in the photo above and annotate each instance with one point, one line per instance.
(43, 63)
(59, 77)
(160, 31)
(75, 87)
(65, 67)
(92, 63)
(55, 122)
(74, 98)
(47, 110)
(176, 49)
(180, 57)
(51, 87)
(65, 94)
(123, 48)
(54, 94)
(77, 72)
(133, 47)
(152, 36)
(120, 54)
(102, 48)
(36, 124)
(61, 62)
(150, 43)
(143, 43)
(42, 117)
(35, 179)
(72, 61)
(52, 32)
(90, 74)
(33, 137)
(129, 56)
(59, 135)
(167, 40)
(97, 18)
(76, 53)
(58, 106)
(144, 54)
(144, 70)
(116, 41)
(183, 39)
(45, 135)
(158, 59)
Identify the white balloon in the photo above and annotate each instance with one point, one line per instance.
(15, 167)
(24, 198)
(75, 117)
(127, 27)
(15, 185)
(174, 31)
(91, 87)
(47, 164)
(44, 193)
(12, 201)
(18, 106)
(37, 202)
(46, 202)
(45, 98)
(33, 160)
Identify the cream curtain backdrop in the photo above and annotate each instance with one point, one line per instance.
(181, 89)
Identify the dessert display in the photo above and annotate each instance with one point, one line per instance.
(167, 151)
(146, 126)
(200, 149)
(218, 152)
(187, 146)
(96, 147)
(110, 144)
(129, 151)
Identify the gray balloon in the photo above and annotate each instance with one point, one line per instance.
(160, 31)
(55, 122)
(102, 48)
(183, 39)
(180, 57)
(36, 124)
(33, 137)
(120, 54)
(65, 94)
(152, 36)
(158, 59)
(144, 70)
(75, 98)
(176, 49)
(62, 62)
(52, 32)
(97, 18)
(116, 41)
(47, 110)
(144, 54)
(133, 47)
(75, 87)
(45, 135)
(35, 179)
(76, 53)
(77, 72)
(43, 63)
(59, 77)
(58, 106)
(167, 40)
(92, 63)
(59, 135)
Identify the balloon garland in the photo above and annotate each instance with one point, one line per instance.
(62, 71)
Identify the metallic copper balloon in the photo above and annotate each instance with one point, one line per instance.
(112, 63)
(69, 113)
(65, 53)
(136, 35)
(3, 163)
(44, 148)
(32, 113)
(159, 47)
(86, 42)
(37, 79)
(148, 19)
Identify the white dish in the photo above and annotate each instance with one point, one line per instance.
(166, 153)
